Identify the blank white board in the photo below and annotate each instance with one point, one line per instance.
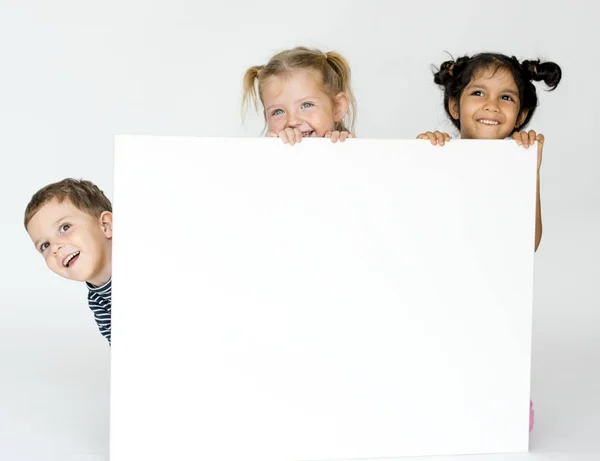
(322, 301)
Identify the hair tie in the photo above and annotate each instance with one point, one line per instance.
(451, 70)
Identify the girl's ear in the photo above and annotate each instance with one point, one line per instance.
(453, 108)
(521, 118)
(341, 106)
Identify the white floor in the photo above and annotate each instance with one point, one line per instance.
(55, 398)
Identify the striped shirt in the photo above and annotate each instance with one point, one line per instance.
(99, 300)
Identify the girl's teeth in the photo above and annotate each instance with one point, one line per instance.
(488, 122)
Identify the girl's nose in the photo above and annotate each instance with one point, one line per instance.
(293, 121)
(492, 106)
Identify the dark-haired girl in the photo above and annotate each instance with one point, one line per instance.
(492, 96)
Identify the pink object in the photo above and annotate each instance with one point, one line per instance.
(530, 415)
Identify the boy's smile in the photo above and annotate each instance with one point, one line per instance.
(71, 259)
(74, 244)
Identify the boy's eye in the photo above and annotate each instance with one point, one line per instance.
(507, 98)
(477, 93)
(65, 227)
(44, 246)
(277, 112)
(306, 105)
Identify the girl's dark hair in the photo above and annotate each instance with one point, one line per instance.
(454, 76)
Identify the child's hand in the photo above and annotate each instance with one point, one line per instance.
(289, 136)
(336, 136)
(436, 138)
(527, 138)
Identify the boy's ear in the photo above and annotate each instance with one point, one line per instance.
(341, 106)
(521, 118)
(106, 222)
(453, 108)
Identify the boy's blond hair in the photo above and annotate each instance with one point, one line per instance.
(84, 195)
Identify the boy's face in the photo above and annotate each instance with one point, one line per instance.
(74, 244)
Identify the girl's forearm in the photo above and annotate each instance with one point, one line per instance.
(538, 214)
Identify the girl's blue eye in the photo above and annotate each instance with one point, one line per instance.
(65, 228)
(507, 98)
(277, 112)
(306, 105)
(477, 93)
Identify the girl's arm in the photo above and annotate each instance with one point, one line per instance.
(526, 139)
(538, 211)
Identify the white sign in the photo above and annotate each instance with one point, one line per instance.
(364, 299)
